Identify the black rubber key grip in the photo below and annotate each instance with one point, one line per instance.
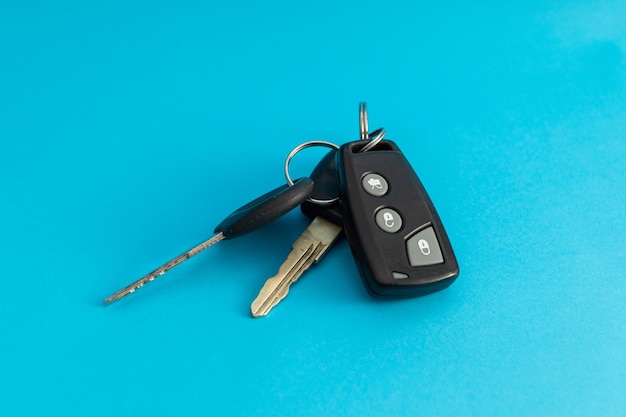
(265, 209)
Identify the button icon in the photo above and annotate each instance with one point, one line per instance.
(388, 220)
(375, 185)
(424, 247)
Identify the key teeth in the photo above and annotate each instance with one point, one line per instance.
(306, 251)
(277, 287)
(163, 269)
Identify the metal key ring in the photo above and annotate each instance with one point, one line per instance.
(363, 121)
(297, 149)
(376, 136)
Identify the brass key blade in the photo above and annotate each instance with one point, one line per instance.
(307, 249)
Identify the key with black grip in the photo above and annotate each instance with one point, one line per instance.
(396, 236)
(257, 213)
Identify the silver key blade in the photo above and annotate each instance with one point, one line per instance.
(163, 269)
(312, 244)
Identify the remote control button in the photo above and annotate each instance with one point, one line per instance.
(423, 248)
(388, 220)
(375, 184)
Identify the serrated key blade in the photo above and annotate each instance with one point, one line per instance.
(307, 249)
(129, 289)
(277, 287)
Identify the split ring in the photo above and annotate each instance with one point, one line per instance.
(363, 128)
(376, 137)
(297, 149)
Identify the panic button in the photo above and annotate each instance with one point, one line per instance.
(423, 248)
(374, 184)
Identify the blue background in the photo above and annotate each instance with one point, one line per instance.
(128, 130)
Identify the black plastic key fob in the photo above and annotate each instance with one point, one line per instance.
(397, 239)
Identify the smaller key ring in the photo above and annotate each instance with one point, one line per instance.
(293, 153)
(376, 136)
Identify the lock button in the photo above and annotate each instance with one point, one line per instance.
(423, 248)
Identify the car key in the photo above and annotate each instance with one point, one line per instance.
(312, 244)
(396, 236)
(247, 218)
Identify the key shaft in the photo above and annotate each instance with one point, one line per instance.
(306, 250)
(164, 268)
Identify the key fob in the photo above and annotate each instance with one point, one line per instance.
(397, 239)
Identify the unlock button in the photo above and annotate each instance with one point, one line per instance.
(388, 220)
(423, 248)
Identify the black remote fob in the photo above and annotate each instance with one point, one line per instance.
(397, 239)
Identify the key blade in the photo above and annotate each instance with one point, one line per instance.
(277, 287)
(306, 250)
(163, 269)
